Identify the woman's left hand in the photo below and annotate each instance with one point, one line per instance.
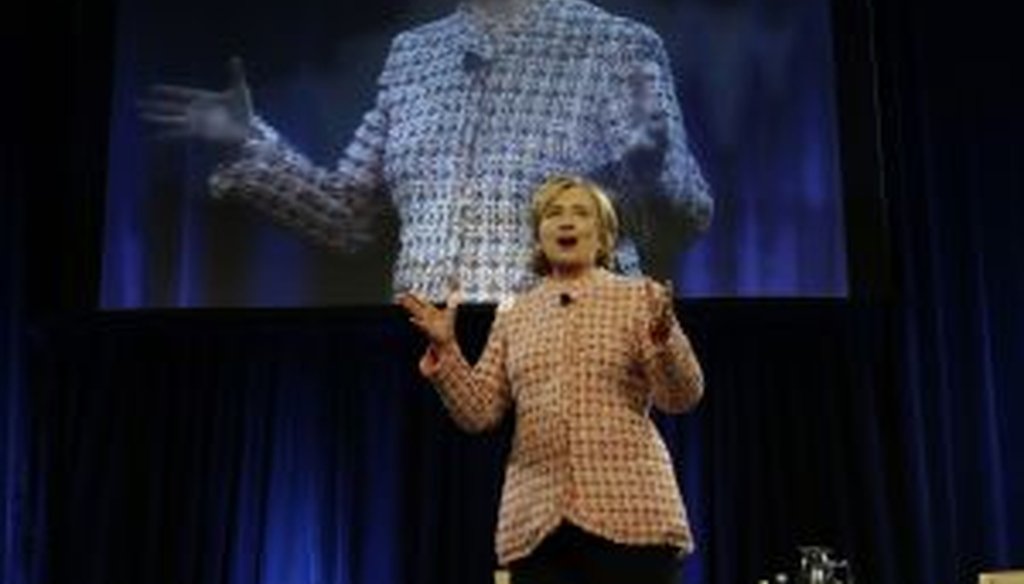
(660, 302)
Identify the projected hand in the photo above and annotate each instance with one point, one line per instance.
(647, 151)
(438, 324)
(660, 306)
(223, 117)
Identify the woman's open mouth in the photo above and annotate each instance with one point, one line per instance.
(567, 241)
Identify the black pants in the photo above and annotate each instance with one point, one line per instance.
(573, 556)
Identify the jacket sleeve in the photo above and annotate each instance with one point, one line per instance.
(477, 397)
(653, 169)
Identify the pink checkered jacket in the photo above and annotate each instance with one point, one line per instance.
(578, 366)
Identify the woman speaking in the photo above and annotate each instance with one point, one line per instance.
(590, 495)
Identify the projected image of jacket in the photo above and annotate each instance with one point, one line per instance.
(469, 119)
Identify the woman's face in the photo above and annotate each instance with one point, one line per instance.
(569, 231)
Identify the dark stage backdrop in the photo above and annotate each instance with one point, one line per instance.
(14, 438)
(273, 448)
(300, 447)
(757, 87)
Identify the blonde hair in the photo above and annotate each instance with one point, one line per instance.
(608, 221)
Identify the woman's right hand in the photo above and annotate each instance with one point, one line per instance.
(223, 117)
(438, 324)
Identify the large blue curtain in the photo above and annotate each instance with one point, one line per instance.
(301, 447)
(958, 213)
(267, 447)
(14, 451)
(13, 438)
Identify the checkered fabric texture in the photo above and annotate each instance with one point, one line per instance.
(581, 378)
(468, 121)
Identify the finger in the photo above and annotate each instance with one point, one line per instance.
(423, 326)
(166, 120)
(668, 299)
(407, 297)
(454, 299)
(406, 302)
(418, 301)
(182, 92)
(416, 305)
(409, 302)
(644, 81)
(651, 289)
(428, 329)
(172, 134)
(160, 106)
(658, 299)
(236, 72)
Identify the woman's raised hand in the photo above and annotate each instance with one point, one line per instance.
(223, 117)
